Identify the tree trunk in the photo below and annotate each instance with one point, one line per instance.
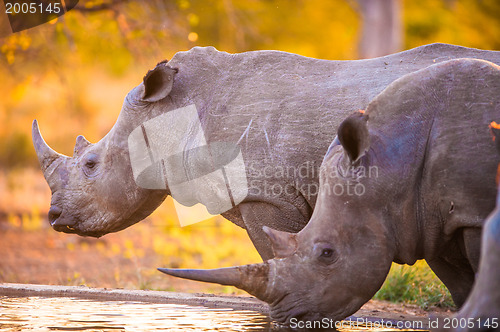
(381, 31)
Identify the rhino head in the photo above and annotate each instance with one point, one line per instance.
(320, 272)
(94, 192)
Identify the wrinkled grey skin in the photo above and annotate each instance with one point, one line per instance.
(281, 108)
(427, 133)
(483, 304)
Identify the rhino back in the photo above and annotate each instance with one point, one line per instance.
(283, 109)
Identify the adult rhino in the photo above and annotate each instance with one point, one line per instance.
(427, 135)
(481, 311)
(280, 108)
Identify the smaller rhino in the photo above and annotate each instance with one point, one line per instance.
(427, 136)
(481, 311)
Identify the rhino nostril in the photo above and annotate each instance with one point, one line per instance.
(54, 213)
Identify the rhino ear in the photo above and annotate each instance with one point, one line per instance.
(81, 144)
(495, 133)
(284, 244)
(353, 135)
(158, 82)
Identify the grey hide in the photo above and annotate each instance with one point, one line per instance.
(423, 155)
(282, 109)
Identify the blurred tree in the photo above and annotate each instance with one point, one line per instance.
(382, 28)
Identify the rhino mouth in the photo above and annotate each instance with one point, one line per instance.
(297, 315)
(63, 224)
(64, 229)
(71, 230)
(286, 309)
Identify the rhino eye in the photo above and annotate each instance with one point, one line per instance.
(327, 253)
(90, 163)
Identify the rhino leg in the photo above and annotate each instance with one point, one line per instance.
(457, 275)
(256, 215)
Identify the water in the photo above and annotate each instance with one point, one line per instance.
(74, 314)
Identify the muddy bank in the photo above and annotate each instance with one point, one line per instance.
(107, 294)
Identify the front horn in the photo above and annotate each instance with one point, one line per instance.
(46, 156)
(252, 278)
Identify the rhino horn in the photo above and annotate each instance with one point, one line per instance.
(284, 244)
(252, 278)
(80, 145)
(46, 156)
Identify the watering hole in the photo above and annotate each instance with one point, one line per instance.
(25, 307)
(74, 314)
